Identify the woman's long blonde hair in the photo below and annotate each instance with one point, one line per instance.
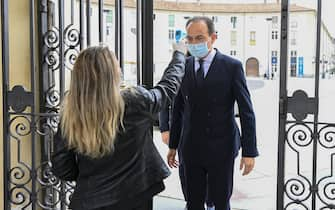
(92, 111)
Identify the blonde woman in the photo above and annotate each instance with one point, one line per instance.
(104, 142)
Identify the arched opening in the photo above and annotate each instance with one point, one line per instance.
(252, 67)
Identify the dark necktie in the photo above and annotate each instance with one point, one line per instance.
(200, 73)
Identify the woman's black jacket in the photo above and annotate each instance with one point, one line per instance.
(135, 166)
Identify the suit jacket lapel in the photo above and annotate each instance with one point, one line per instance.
(191, 83)
(192, 73)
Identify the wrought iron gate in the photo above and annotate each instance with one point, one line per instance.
(32, 115)
(301, 134)
(64, 28)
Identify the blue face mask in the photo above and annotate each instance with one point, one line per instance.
(199, 50)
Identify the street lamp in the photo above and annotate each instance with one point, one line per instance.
(269, 20)
(322, 61)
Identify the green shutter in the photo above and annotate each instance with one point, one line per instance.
(171, 20)
(109, 16)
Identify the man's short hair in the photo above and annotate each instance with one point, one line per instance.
(207, 20)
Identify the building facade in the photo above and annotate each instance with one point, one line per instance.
(248, 32)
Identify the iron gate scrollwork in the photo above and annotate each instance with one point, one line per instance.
(59, 47)
(31, 116)
(303, 139)
(29, 182)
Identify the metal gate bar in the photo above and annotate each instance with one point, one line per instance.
(59, 43)
(282, 103)
(314, 188)
(32, 107)
(88, 22)
(147, 51)
(5, 88)
(119, 30)
(299, 190)
(81, 24)
(101, 34)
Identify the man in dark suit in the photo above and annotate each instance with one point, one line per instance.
(165, 116)
(203, 123)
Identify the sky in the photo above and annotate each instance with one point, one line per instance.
(328, 8)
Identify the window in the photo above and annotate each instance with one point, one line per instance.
(233, 21)
(294, 53)
(274, 21)
(294, 24)
(274, 53)
(252, 41)
(171, 20)
(274, 35)
(252, 20)
(293, 63)
(108, 30)
(133, 30)
(293, 35)
(233, 38)
(274, 63)
(233, 52)
(215, 19)
(171, 34)
(109, 16)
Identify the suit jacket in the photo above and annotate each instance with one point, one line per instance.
(203, 122)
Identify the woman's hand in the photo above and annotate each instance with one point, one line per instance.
(180, 46)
